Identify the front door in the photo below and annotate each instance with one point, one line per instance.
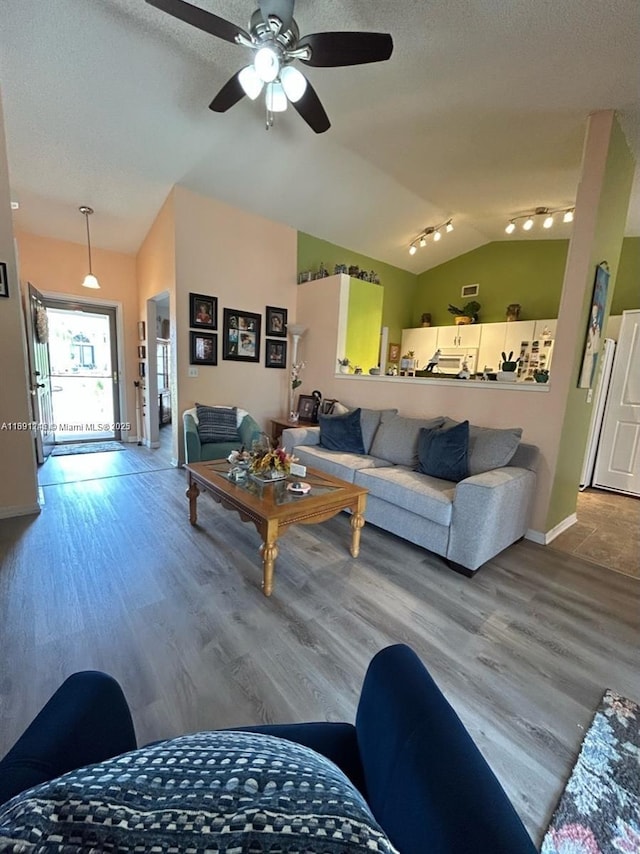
(39, 374)
(618, 460)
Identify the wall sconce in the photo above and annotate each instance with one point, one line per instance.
(548, 214)
(434, 231)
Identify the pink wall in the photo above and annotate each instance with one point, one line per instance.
(247, 262)
(58, 268)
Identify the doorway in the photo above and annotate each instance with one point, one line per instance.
(83, 359)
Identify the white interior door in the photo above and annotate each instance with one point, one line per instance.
(618, 460)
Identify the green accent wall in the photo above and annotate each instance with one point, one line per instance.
(399, 285)
(529, 272)
(364, 324)
(606, 245)
(626, 295)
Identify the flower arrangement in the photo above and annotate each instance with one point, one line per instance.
(344, 362)
(271, 463)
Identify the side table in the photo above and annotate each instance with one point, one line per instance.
(280, 424)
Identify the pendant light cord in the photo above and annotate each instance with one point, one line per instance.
(86, 216)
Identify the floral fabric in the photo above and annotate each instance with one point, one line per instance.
(599, 810)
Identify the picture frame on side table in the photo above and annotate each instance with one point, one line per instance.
(326, 407)
(203, 311)
(4, 282)
(203, 348)
(275, 354)
(276, 322)
(306, 406)
(241, 335)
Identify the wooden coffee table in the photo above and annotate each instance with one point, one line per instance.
(272, 508)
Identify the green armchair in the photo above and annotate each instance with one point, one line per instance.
(195, 451)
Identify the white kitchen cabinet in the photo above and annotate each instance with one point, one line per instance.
(463, 336)
(492, 337)
(518, 332)
(423, 341)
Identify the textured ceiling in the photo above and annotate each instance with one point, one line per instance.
(479, 115)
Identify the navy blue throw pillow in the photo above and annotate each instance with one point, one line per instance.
(444, 453)
(342, 432)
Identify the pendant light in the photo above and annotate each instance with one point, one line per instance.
(90, 280)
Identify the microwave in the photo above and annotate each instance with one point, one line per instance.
(453, 359)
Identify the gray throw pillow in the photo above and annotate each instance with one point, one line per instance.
(396, 439)
(217, 791)
(217, 424)
(491, 447)
(369, 422)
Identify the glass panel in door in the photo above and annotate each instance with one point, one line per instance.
(83, 373)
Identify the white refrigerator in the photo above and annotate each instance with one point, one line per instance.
(599, 402)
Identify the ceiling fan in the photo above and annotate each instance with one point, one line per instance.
(276, 42)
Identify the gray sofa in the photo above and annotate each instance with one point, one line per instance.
(467, 523)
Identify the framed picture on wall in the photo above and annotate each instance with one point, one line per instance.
(142, 351)
(203, 311)
(275, 354)
(594, 327)
(4, 284)
(141, 369)
(276, 322)
(394, 353)
(241, 335)
(141, 331)
(204, 348)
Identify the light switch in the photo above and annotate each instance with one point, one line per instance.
(193, 371)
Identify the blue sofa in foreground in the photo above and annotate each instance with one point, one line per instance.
(422, 777)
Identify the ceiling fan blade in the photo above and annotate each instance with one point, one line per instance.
(282, 9)
(333, 49)
(200, 18)
(312, 111)
(228, 96)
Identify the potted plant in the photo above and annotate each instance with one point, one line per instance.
(507, 362)
(408, 361)
(541, 376)
(467, 314)
(343, 365)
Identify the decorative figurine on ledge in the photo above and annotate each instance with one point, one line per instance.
(464, 373)
(433, 361)
(513, 311)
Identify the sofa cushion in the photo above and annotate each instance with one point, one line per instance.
(217, 423)
(217, 791)
(429, 497)
(444, 453)
(489, 447)
(336, 463)
(396, 439)
(370, 421)
(342, 432)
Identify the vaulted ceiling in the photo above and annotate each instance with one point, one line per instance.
(479, 115)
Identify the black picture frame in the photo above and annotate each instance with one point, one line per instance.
(276, 322)
(4, 281)
(326, 407)
(275, 354)
(306, 406)
(203, 311)
(142, 351)
(142, 332)
(203, 348)
(141, 369)
(241, 335)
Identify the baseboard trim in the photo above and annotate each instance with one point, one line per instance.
(543, 538)
(19, 510)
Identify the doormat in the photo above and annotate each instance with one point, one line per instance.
(88, 448)
(599, 810)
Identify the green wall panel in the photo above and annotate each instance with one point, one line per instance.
(606, 245)
(364, 324)
(529, 272)
(626, 295)
(399, 285)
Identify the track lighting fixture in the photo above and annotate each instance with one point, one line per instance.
(90, 280)
(547, 213)
(434, 231)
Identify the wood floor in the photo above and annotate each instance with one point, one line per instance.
(111, 576)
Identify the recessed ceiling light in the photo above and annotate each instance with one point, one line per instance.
(15, 206)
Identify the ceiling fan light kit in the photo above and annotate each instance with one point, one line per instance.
(275, 39)
(433, 231)
(549, 218)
